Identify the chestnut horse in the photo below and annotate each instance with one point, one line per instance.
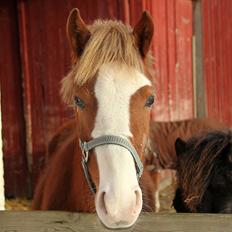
(204, 173)
(98, 167)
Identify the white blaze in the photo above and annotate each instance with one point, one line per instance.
(114, 87)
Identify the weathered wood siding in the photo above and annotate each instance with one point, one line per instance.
(217, 55)
(42, 221)
(13, 124)
(172, 49)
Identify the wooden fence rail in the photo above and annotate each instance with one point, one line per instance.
(43, 221)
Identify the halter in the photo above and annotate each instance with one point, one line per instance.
(104, 140)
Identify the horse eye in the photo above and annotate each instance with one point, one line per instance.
(78, 102)
(150, 100)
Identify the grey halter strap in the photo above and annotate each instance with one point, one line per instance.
(106, 140)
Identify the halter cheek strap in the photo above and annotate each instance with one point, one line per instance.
(106, 140)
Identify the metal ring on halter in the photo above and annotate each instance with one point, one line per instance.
(85, 152)
(84, 163)
(104, 140)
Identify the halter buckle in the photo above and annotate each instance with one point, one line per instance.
(84, 150)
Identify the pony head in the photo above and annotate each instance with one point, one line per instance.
(111, 87)
(205, 173)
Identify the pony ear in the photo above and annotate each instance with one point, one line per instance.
(180, 146)
(143, 33)
(78, 33)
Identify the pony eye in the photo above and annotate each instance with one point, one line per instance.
(150, 100)
(78, 102)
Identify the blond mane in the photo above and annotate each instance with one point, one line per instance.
(110, 41)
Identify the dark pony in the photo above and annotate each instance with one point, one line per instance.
(160, 151)
(204, 173)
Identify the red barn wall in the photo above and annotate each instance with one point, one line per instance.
(217, 57)
(13, 123)
(173, 59)
(38, 50)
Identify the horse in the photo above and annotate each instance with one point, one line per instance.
(204, 173)
(99, 167)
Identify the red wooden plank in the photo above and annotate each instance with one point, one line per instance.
(184, 76)
(226, 59)
(45, 59)
(206, 47)
(123, 11)
(33, 98)
(135, 11)
(14, 149)
(172, 47)
(160, 51)
(220, 62)
(172, 64)
(217, 41)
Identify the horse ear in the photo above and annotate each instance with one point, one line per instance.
(78, 33)
(143, 33)
(180, 146)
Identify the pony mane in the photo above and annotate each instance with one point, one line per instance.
(197, 165)
(110, 41)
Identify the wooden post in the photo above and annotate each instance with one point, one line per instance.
(2, 198)
(198, 78)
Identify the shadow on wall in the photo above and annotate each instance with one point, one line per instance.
(2, 199)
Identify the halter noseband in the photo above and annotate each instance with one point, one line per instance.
(104, 140)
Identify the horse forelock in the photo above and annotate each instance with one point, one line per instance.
(197, 166)
(110, 41)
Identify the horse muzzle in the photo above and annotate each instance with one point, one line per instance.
(119, 197)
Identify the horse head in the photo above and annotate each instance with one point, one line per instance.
(111, 88)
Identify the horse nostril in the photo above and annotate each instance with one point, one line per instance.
(138, 201)
(102, 204)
